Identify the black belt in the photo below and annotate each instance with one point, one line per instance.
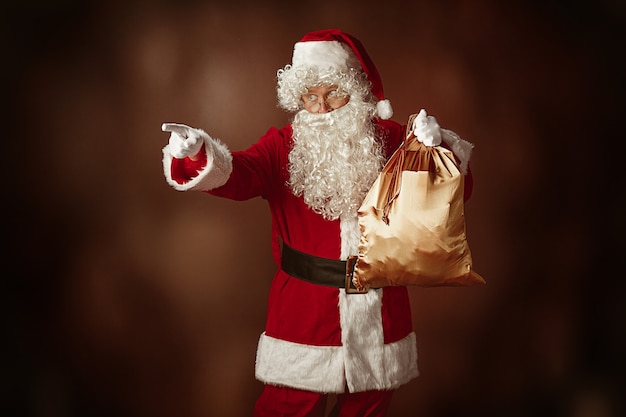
(320, 271)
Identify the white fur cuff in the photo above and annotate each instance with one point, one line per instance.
(460, 147)
(216, 172)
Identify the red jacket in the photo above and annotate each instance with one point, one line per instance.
(316, 338)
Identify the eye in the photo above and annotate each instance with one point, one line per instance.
(332, 93)
(312, 97)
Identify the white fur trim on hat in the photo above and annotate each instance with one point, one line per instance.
(324, 55)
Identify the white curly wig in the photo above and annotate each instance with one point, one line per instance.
(293, 82)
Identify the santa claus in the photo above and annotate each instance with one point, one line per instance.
(320, 337)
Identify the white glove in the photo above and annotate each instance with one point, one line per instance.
(426, 129)
(184, 140)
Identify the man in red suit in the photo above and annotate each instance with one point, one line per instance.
(320, 337)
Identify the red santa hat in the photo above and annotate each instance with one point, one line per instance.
(334, 48)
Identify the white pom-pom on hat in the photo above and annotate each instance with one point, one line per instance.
(384, 110)
(335, 48)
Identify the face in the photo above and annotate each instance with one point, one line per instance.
(323, 99)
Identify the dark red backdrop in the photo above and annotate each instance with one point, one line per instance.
(126, 298)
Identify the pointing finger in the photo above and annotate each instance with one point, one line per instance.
(178, 128)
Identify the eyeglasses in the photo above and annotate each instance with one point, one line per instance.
(323, 99)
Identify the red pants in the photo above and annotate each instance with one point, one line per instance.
(289, 402)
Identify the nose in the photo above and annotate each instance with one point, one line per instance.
(323, 106)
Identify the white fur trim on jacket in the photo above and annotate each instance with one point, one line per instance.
(370, 364)
(350, 235)
(312, 368)
(364, 362)
(216, 172)
(327, 369)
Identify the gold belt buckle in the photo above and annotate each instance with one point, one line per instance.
(349, 285)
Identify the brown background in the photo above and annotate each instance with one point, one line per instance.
(124, 297)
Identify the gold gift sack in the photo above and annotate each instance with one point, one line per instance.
(412, 222)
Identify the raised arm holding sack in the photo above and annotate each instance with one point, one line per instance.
(412, 221)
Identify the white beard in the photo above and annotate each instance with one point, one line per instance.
(335, 158)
